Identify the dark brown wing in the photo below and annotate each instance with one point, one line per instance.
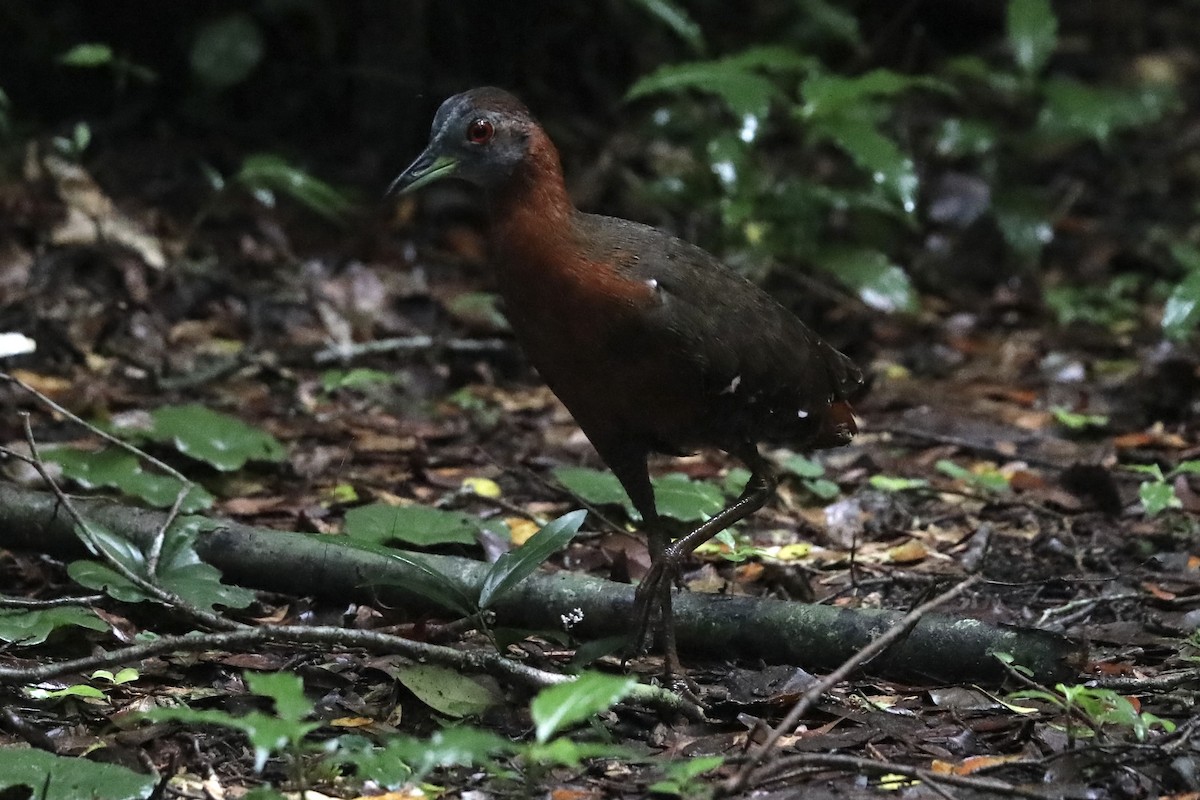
(763, 374)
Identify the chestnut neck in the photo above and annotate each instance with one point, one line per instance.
(531, 214)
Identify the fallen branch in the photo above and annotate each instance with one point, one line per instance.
(467, 661)
(937, 650)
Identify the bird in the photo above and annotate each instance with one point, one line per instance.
(652, 344)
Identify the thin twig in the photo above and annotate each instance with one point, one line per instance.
(473, 661)
(859, 765)
(341, 353)
(809, 699)
(57, 602)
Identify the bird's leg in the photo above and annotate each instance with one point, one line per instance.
(665, 563)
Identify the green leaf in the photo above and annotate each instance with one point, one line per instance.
(1181, 313)
(559, 707)
(420, 525)
(822, 488)
(1024, 222)
(680, 776)
(878, 282)
(1157, 497)
(1076, 421)
(677, 19)
(357, 378)
(285, 689)
(267, 734)
(598, 487)
(226, 50)
(447, 691)
(1032, 34)
(271, 173)
(87, 55)
(861, 139)
(223, 441)
(803, 467)
(567, 752)
(1074, 110)
(181, 570)
(743, 92)
(519, 563)
(421, 579)
(892, 483)
(121, 470)
(681, 498)
(991, 481)
(449, 747)
(831, 95)
(50, 777)
(735, 80)
(78, 690)
(102, 578)
(27, 627)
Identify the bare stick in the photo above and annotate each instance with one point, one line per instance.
(868, 765)
(246, 637)
(863, 656)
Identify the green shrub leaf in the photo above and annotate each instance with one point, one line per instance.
(268, 173)
(878, 282)
(447, 691)
(51, 777)
(26, 627)
(519, 563)
(226, 50)
(1032, 34)
(420, 525)
(118, 469)
(223, 441)
(87, 55)
(559, 707)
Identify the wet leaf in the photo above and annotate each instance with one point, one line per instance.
(27, 627)
(676, 18)
(828, 95)
(875, 153)
(736, 80)
(518, 564)
(226, 50)
(681, 498)
(1076, 110)
(1032, 34)
(222, 441)
(891, 483)
(1157, 497)
(598, 487)
(87, 55)
(879, 283)
(559, 707)
(420, 525)
(447, 691)
(51, 777)
(1181, 314)
(121, 470)
(265, 173)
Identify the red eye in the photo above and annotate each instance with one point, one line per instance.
(480, 132)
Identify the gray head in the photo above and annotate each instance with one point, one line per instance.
(479, 136)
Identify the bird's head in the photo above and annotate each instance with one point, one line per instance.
(479, 136)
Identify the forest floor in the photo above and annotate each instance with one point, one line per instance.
(994, 443)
